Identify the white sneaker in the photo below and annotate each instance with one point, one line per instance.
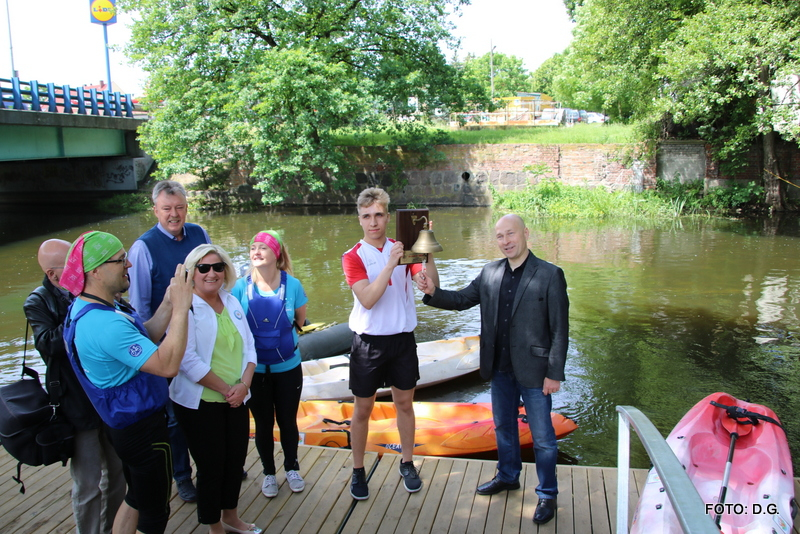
(270, 486)
(296, 483)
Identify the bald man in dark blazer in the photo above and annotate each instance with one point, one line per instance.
(524, 339)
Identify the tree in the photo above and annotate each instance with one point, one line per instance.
(722, 70)
(504, 73)
(541, 81)
(611, 62)
(719, 74)
(268, 84)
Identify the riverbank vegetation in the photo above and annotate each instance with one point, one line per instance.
(125, 203)
(725, 71)
(551, 198)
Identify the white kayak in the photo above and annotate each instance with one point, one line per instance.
(439, 361)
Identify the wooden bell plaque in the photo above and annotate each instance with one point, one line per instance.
(409, 223)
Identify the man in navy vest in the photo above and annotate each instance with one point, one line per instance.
(154, 257)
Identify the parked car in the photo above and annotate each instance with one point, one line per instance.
(593, 117)
(571, 116)
(584, 115)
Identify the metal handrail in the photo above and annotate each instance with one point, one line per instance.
(34, 96)
(687, 503)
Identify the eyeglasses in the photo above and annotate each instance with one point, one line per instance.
(203, 268)
(121, 260)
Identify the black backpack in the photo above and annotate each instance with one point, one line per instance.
(31, 428)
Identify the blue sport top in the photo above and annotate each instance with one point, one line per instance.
(115, 357)
(295, 298)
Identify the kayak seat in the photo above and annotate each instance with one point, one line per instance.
(708, 458)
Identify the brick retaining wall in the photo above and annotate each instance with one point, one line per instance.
(464, 173)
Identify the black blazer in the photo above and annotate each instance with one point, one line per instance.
(46, 308)
(539, 320)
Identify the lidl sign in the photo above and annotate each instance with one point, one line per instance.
(103, 11)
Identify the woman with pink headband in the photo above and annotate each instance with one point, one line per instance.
(274, 303)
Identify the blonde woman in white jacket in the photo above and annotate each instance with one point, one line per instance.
(212, 387)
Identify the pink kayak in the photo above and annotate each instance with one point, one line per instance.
(756, 493)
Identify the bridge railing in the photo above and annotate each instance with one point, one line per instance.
(48, 97)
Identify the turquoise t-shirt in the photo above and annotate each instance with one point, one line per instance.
(295, 298)
(110, 347)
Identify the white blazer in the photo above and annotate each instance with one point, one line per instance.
(202, 335)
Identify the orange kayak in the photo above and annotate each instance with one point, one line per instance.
(442, 428)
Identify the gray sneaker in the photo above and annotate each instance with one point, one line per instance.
(296, 482)
(359, 489)
(411, 479)
(270, 486)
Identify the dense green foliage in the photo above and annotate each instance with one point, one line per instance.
(266, 84)
(498, 74)
(542, 78)
(124, 204)
(551, 198)
(722, 70)
(690, 198)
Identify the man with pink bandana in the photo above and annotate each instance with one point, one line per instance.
(98, 485)
(122, 370)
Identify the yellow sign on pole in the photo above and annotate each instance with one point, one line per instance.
(103, 11)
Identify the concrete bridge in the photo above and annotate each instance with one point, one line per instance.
(59, 143)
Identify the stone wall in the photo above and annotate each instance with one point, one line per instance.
(692, 160)
(464, 173)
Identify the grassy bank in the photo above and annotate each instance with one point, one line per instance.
(542, 135)
(550, 198)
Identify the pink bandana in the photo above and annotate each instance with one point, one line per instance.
(271, 241)
(89, 251)
(73, 279)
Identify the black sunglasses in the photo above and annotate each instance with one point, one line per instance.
(203, 268)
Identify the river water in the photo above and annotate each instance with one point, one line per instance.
(661, 315)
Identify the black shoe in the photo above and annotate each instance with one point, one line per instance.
(410, 476)
(359, 489)
(496, 486)
(545, 511)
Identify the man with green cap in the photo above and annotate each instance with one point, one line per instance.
(123, 370)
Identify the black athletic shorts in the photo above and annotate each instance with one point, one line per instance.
(383, 361)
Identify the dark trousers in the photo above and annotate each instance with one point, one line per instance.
(276, 396)
(146, 458)
(217, 435)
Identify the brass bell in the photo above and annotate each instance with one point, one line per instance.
(426, 242)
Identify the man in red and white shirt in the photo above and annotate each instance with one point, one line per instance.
(384, 351)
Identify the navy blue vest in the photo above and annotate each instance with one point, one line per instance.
(118, 406)
(271, 328)
(166, 253)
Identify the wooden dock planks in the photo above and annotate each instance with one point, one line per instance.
(447, 502)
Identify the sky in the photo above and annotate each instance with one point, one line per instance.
(56, 42)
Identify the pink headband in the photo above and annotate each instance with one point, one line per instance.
(73, 279)
(270, 241)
